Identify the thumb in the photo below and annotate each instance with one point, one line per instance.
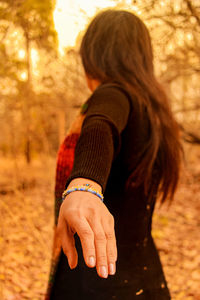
(67, 242)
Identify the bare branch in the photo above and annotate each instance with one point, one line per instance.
(193, 11)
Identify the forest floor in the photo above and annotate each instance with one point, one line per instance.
(26, 213)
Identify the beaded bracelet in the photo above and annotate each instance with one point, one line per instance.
(82, 188)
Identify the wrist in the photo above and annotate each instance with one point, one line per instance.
(85, 181)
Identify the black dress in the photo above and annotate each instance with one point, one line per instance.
(112, 139)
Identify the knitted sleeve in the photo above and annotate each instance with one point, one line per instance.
(100, 138)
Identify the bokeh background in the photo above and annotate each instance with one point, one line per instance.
(42, 86)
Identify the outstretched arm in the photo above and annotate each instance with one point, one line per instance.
(82, 212)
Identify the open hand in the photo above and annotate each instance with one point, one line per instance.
(85, 214)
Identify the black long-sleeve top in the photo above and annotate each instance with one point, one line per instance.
(112, 138)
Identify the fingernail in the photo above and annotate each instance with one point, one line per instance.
(91, 261)
(111, 269)
(103, 272)
(69, 264)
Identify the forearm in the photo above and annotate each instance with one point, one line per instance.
(94, 153)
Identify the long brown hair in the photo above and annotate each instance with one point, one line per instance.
(117, 48)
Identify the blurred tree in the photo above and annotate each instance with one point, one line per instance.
(175, 29)
(178, 40)
(40, 91)
(31, 23)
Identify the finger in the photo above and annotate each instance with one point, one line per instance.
(100, 247)
(68, 243)
(111, 247)
(86, 236)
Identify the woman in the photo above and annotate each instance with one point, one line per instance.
(128, 152)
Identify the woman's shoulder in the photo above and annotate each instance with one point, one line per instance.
(110, 88)
(109, 103)
(110, 94)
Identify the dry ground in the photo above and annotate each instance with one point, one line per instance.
(26, 212)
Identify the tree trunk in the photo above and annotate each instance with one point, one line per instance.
(27, 100)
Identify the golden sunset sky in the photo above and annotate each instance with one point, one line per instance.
(71, 16)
